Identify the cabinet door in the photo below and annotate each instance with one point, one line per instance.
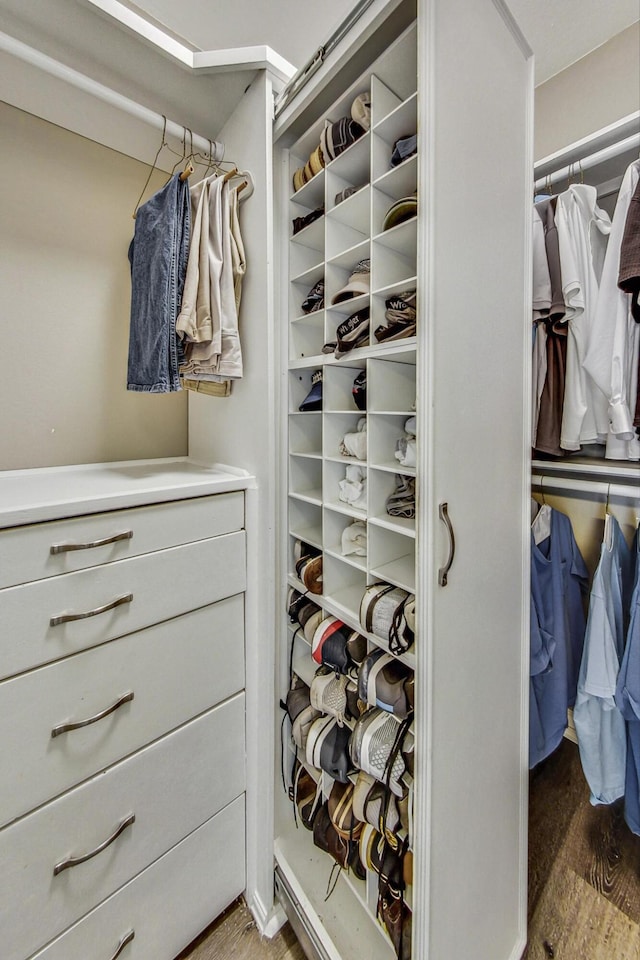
(474, 186)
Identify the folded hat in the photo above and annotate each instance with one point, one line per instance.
(299, 223)
(404, 148)
(359, 282)
(316, 160)
(314, 299)
(401, 210)
(336, 137)
(353, 333)
(313, 400)
(361, 110)
(400, 317)
(298, 179)
(345, 194)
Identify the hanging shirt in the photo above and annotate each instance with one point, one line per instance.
(628, 701)
(583, 230)
(558, 579)
(602, 737)
(612, 351)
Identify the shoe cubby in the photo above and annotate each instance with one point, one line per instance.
(349, 222)
(394, 255)
(338, 485)
(300, 286)
(381, 485)
(305, 479)
(305, 434)
(344, 585)
(338, 387)
(397, 182)
(336, 426)
(335, 524)
(383, 433)
(391, 384)
(305, 524)
(299, 388)
(307, 336)
(392, 557)
(402, 121)
(306, 249)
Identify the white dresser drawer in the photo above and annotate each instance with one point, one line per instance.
(170, 903)
(171, 787)
(175, 670)
(147, 589)
(43, 550)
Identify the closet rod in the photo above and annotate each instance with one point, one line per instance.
(56, 69)
(588, 489)
(593, 160)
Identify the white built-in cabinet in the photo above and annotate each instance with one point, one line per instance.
(460, 74)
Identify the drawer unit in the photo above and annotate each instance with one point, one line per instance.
(171, 788)
(183, 891)
(174, 670)
(43, 550)
(50, 619)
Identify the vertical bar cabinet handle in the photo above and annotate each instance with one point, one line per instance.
(443, 572)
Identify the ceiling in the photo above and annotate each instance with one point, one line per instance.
(559, 31)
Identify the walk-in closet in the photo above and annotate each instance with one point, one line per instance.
(265, 625)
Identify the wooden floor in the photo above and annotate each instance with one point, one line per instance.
(584, 881)
(584, 869)
(234, 936)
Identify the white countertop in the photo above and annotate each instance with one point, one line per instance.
(51, 493)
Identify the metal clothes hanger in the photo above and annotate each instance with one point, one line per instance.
(163, 143)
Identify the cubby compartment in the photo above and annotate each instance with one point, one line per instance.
(305, 434)
(336, 427)
(300, 287)
(340, 268)
(341, 484)
(305, 524)
(382, 484)
(383, 100)
(311, 194)
(394, 182)
(338, 387)
(335, 524)
(392, 557)
(304, 257)
(400, 239)
(391, 385)
(306, 336)
(344, 585)
(383, 433)
(303, 664)
(348, 223)
(305, 478)
(311, 236)
(354, 164)
(397, 69)
(300, 386)
(400, 122)
(379, 319)
(394, 255)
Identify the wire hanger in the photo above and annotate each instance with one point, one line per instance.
(163, 143)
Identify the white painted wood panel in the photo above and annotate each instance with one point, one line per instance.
(172, 787)
(194, 882)
(164, 584)
(175, 671)
(25, 552)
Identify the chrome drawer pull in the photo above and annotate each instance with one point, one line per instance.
(74, 861)
(75, 725)
(128, 937)
(443, 572)
(68, 617)
(68, 547)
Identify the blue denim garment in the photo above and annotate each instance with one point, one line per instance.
(158, 257)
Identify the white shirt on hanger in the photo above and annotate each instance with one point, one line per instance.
(612, 351)
(583, 230)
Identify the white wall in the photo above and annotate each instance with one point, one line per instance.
(593, 92)
(65, 227)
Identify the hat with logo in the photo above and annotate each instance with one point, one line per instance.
(353, 333)
(400, 317)
(314, 300)
(359, 282)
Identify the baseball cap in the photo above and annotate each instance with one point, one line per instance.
(359, 282)
(337, 137)
(354, 332)
(314, 300)
(401, 210)
(404, 148)
(361, 110)
(400, 317)
(313, 400)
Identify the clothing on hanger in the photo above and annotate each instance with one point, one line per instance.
(612, 351)
(558, 581)
(628, 699)
(600, 726)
